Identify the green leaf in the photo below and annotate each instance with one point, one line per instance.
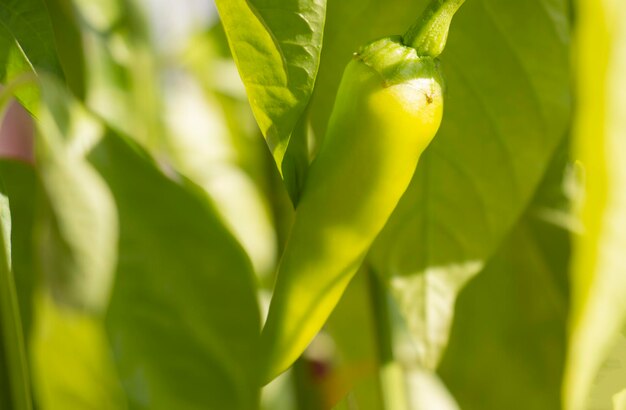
(72, 362)
(183, 320)
(78, 235)
(27, 46)
(599, 263)
(13, 346)
(510, 321)
(69, 43)
(277, 45)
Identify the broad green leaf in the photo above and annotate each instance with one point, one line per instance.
(78, 235)
(67, 351)
(27, 46)
(71, 358)
(277, 45)
(507, 109)
(599, 263)
(13, 351)
(510, 322)
(183, 320)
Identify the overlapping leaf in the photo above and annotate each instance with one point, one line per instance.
(277, 45)
(78, 236)
(71, 359)
(599, 264)
(27, 45)
(183, 315)
(510, 321)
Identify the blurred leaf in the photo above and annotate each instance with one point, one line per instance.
(611, 378)
(71, 359)
(5, 384)
(183, 320)
(427, 391)
(13, 351)
(507, 109)
(279, 394)
(203, 147)
(123, 84)
(69, 45)
(619, 401)
(510, 322)
(78, 235)
(27, 45)
(599, 263)
(277, 46)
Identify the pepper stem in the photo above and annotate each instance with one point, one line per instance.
(429, 33)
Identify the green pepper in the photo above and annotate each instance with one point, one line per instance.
(388, 108)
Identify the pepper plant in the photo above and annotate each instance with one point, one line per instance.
(312, 204)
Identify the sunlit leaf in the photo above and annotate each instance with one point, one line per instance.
(183, 320)
(510, 321)
(72, 362)
(277, 45)
(599, 263)
(611, 378)
(78, 234)
(619, 401)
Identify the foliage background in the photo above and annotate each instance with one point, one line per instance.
(140, 241)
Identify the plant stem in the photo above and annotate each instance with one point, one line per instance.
(429, 33)
(392, 381)
(15, 351)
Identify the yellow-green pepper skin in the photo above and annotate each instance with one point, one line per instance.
(388, 109)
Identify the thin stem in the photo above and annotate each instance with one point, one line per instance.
(11, 331)
(429, 33)
(392, 380)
